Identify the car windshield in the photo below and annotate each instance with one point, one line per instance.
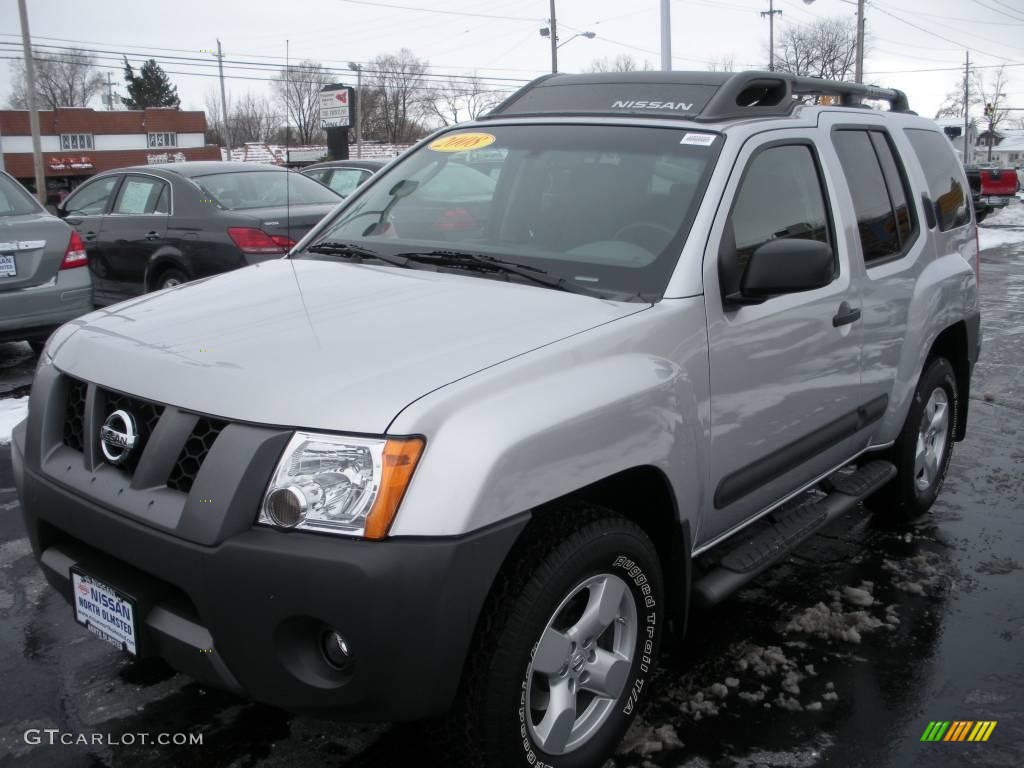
(605, 209)
(240, 190)
(15, 199)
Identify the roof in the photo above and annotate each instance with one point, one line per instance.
(370, 165)
(701, 96)
(204, 167)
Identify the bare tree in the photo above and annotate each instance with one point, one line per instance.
(297, 91)
(825, 48)
(458, 100)
(990, 85)
(722, 64)
(62, 80)
(398, 82)
(953, 105)
(624, 62)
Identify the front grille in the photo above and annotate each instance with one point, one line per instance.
(146, 416)
(74, 415)
(193, 453)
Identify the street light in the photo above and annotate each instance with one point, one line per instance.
(858, 73)
(588, 35)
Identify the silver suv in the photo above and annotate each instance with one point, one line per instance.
(478, 443)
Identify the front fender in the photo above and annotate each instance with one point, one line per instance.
(633, 392)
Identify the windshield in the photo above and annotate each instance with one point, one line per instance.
(605, 208)
(15, 199)
(240, 190)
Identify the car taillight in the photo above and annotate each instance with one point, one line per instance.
(253, 240)
(75, 255)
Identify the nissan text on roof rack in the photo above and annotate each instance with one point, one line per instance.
(474, 448)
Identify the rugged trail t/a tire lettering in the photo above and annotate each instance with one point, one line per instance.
(567, 644)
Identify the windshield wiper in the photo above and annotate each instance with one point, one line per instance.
(355, 252)
(479, 262)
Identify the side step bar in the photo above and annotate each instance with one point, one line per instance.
(769, 540)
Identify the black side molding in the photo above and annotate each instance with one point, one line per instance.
(745, 480)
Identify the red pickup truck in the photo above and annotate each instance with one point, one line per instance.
(998, 186)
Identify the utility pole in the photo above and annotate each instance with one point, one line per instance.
(666, 36)
(858, 75)
(554, 40)
(110, 93)
(359, 106)
(967, 105)
(33, 113)
(770, 13)
(223, 99)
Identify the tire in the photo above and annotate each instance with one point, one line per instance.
(573, 564)
(170, 278)
(917, 483)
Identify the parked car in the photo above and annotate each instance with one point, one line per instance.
(999, 186)
(343, 176)
(479, 473)
(43, 277)
(981, 209)
(151, 227)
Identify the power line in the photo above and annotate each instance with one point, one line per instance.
(1000, 11)
(880, 9)
(79, 43)
(446, 13)
(192, 61)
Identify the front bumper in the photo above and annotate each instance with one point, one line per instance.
(248, 613)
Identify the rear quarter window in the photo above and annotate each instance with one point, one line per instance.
(945, 177)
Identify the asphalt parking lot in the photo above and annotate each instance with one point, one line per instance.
(841, 656)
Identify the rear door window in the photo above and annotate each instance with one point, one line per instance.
(881, 208)
(945, 177)
(91, 199)
(139, 195)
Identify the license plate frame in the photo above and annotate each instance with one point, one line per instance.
(104, 610)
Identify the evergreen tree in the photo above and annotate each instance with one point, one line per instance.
(150, 88)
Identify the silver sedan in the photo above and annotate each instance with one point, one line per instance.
(44, 279)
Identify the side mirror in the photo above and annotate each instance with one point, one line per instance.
(61, 211)
(785, 266)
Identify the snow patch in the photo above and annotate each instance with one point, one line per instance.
(12, 411)
(917, 575)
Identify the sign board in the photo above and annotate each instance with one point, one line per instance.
(334, 107)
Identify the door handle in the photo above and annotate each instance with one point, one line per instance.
(89, 236)
(845, 315)
(152, 235)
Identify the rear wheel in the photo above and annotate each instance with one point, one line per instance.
(565, 647)
(924, 448)
(170, 278)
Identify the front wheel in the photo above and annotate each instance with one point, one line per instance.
(566, 645)
(924, 448)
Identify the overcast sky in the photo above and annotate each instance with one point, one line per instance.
(500, 40)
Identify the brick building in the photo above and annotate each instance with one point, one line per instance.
(78, 142)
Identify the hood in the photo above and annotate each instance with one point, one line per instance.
(318, 344)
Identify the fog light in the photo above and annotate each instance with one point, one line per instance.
(286, 507)
(336, 651)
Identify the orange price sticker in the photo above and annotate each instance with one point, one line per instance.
(460, 142)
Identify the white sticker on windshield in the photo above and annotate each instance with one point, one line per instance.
(700, 139)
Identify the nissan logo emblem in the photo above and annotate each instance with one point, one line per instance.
(118, 436)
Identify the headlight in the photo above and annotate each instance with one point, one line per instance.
(338, 484)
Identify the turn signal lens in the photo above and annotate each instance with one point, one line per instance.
(399, 462)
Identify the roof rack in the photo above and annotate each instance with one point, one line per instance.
(702, 96)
